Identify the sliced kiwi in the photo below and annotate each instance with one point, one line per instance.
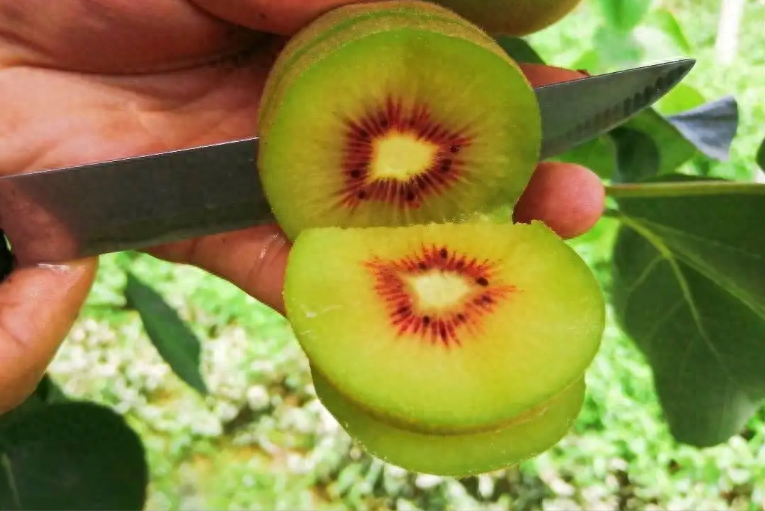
(457, 455)
(342, 25)
(394, 113)
(444, 327)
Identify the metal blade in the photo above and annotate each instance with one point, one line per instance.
(62, 214)
(576, 111)
(57, 215)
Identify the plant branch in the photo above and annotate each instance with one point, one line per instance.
(684, 189)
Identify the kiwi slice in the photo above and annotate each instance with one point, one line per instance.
(456, 455)
(339, 25)
(437, 328)
(393, 113)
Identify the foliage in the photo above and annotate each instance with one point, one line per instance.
(679, 253)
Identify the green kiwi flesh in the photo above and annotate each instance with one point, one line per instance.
(444, 327)
(345, 23)
(456, 455)
(395, 115)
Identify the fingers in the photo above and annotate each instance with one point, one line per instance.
(280, 17)
(38, 306)
(252, 259)
(112, 36)
(541, 74)
(568, 198)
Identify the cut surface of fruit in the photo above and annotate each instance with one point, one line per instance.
(462, 454)
(346, 23)
(444, 327)
(512, 17)
(397, 118)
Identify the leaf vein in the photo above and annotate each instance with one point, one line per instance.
(696, 237)
(657, 242)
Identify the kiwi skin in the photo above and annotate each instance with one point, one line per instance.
(457, 455)
(512, 17)
(347, 23)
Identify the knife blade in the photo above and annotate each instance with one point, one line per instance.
(62, 214)
(576, 111)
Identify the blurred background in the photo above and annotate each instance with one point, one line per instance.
(261, 440)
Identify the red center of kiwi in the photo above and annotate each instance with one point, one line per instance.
(393, 118)
(438, 324)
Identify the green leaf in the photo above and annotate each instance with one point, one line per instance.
(663, 19)
(638, 156)
(624, 15)
(689, 289)
(615, 48)
(674, 148)
(172, 337)
(519, 50)
(710, 127)
(45, 393)
(589, 61)
(761, 155)
(598, 155)
(71, 456)
(681, 98)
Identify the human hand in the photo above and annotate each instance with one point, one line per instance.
(103, 79)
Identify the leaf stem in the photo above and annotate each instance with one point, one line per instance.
(684, 189)
(5, 463)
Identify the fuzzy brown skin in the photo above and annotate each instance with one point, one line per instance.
(102, 79)
(512, 17)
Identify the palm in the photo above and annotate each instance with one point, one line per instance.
(67, 118)
(67, 114)
(76, 108)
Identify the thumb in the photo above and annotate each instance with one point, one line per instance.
(38, 306)
(283, 17)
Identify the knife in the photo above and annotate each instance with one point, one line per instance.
(62, 214)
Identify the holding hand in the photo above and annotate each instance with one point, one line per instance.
(99, 80)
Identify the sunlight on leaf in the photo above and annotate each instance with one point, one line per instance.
(680, 99)
(665, 20)
(624, 15)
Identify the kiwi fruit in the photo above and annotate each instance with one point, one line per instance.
(512, 17)
(394, 113)
(453, 327)
(456, 455)
(390, 132)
